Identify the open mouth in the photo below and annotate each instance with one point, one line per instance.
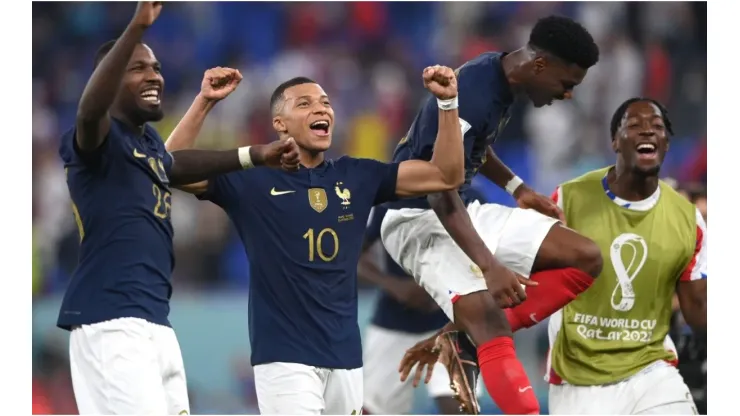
(647, 150)
(151, 95)
(320, 127)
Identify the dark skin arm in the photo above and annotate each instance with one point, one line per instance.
(500, 174)
(93, 111)
(692, 296)
(190, 166)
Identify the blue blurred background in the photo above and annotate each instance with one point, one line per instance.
(368, 56)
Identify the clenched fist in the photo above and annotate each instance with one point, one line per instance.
(219, 82)
(441, 81)
(147, 12)
(280, 154)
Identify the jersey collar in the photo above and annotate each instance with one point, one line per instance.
(644, 205)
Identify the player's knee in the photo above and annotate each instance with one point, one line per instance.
(589, 258)
(479, 316)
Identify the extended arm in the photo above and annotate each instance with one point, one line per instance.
(217, 84)
(195, 166)
(93, 119)
(454, 217)
(500, 174)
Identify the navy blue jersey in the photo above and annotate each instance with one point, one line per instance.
(390, 313)
(121, 202)
(303, 232)
(485, 98)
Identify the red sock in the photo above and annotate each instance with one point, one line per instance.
(556, 289)
(505, 378)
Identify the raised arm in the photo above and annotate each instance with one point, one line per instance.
(93, 111)
(692, 287)
(217, 84)
(446, 170)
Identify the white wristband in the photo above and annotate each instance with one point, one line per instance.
(245, 158)
(446, 105)
(513, 184)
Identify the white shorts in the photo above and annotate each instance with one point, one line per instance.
(127, 366)
(298, 389)
(418, 242)
(385, 394)
(657, 390)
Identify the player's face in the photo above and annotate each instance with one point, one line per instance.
(553, 80)
(642, 139)
(307, 116)
(142, 88)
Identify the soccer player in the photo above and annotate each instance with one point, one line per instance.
(404, 315)
(124, 356)
(442, 247)
(303, 232)
(610, 351)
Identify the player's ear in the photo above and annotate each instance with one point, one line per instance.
(539, 64)
(279, 125)
(615, 143)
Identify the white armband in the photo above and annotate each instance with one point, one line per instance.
(446, 105)
(513, 184)
(245, 158)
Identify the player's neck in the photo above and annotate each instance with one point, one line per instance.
(309, 158)
(630, 185)
(135, 127)
(512, 64)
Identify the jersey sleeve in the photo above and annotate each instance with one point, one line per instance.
(379, 177)
(697, 268)
(70, 152)
(222, 189)
(557, 196)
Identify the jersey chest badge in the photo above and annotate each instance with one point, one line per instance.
(317, 199)
(343, 194)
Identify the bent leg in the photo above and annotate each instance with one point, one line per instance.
(563, 263)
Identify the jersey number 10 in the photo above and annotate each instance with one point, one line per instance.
(314, 244)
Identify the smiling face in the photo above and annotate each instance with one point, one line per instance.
(641, 141)
(306, 115)
(140, 95)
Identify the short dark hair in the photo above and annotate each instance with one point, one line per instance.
(102, 51)
(277, 95)
(566, 39)
(617, 117)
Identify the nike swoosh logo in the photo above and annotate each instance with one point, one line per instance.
(523, 389)
(276, 193)
(137, 154)
(533, 318)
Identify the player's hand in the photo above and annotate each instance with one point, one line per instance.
(422, 355)
(410, 294)
(441, 81)
(219, 82)
(147, 12)
(528, 198)
(278, 154)
(505, 286)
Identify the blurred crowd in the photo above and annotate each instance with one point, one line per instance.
(368, 56)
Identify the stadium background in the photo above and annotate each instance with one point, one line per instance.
(368, 56)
